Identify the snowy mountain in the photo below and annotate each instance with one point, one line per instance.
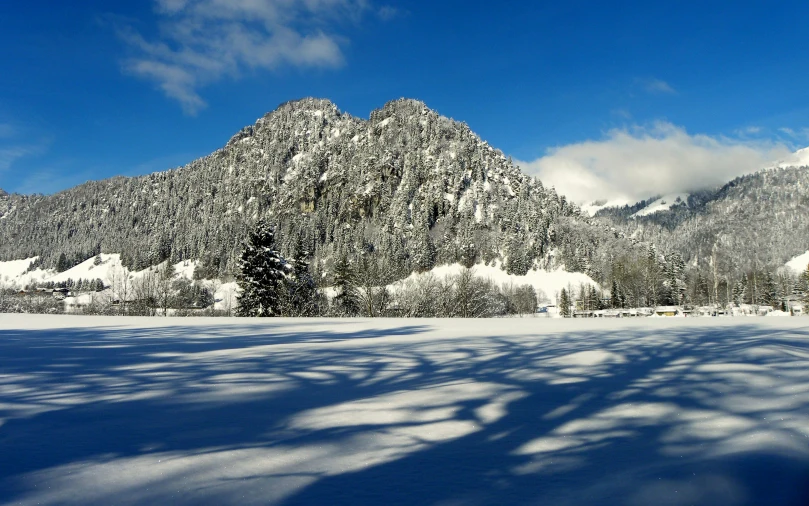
(418, 188)
(756, 221)
(662, 204)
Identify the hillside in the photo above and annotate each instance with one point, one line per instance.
(418, 188)
(756, 221)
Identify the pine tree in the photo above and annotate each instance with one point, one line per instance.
(299, 289)
(262, 271)
(805, 300)
(61, 264)
(346, 302)
(739, 290)
(564, 303)
(770, 291)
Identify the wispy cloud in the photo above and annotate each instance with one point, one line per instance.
(203, 41)
(6, 130)
(800, 136)
(656, 86)
(9, 154)
(636, 163)
(751, 130)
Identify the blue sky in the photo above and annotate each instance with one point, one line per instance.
(673, 90)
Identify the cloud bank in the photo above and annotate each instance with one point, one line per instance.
(202, 41)
(637, 163)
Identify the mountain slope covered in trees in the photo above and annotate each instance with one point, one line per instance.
(757, 221)
(417, 188)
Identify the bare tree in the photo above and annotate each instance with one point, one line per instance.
(144, 291)
(164, 279)
(121, 285)
(371, 277)
(525, 299)
(470, 295)
(421, 296)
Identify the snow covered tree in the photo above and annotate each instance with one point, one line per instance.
(770, 293)
(262, 270)
(740, 291)
(163, 283)
(471, 296)
(805, 300)
(345, 302)
(564, 303)
(299, 295)
(371, 276)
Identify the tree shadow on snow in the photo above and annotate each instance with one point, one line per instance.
(321, 412)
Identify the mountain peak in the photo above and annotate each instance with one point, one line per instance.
(308, 104)
(404, 106)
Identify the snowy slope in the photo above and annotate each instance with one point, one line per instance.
(593, 207)
(662, 204)
(13, 269)
(132, 411)
(549, 283)
(799, 263)
(11, 272)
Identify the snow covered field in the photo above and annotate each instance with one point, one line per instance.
(111, 410)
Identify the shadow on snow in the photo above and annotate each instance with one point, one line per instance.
(625, 415)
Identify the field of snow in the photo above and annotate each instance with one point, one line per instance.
(113, 410)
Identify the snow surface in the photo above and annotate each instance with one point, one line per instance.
(799, 263)
(662, 204)
(11, 272)
(593, 207)
(549, 283)
(13, 269)
(117, 410)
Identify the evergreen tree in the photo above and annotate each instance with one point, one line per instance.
(770, 291)
(262, 270)
(61, 264)
(299, 289)
(564, 303)
(615, 299)
(739, 290)
(346, 302)
(805, 300)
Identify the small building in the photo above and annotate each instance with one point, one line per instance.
(668, 311)
(60, 293)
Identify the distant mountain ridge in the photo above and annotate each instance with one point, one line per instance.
(754, 221)
(418, 188)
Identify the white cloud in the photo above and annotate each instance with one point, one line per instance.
(202, 41)
(637, 163)
(9, 154)
(657, 86)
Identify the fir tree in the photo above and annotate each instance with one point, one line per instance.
(62, 264)
(615, 299)
(299, 290)
(346, 302)
(770, 291)
(262, 271)
(805, 300)
(564, 303)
